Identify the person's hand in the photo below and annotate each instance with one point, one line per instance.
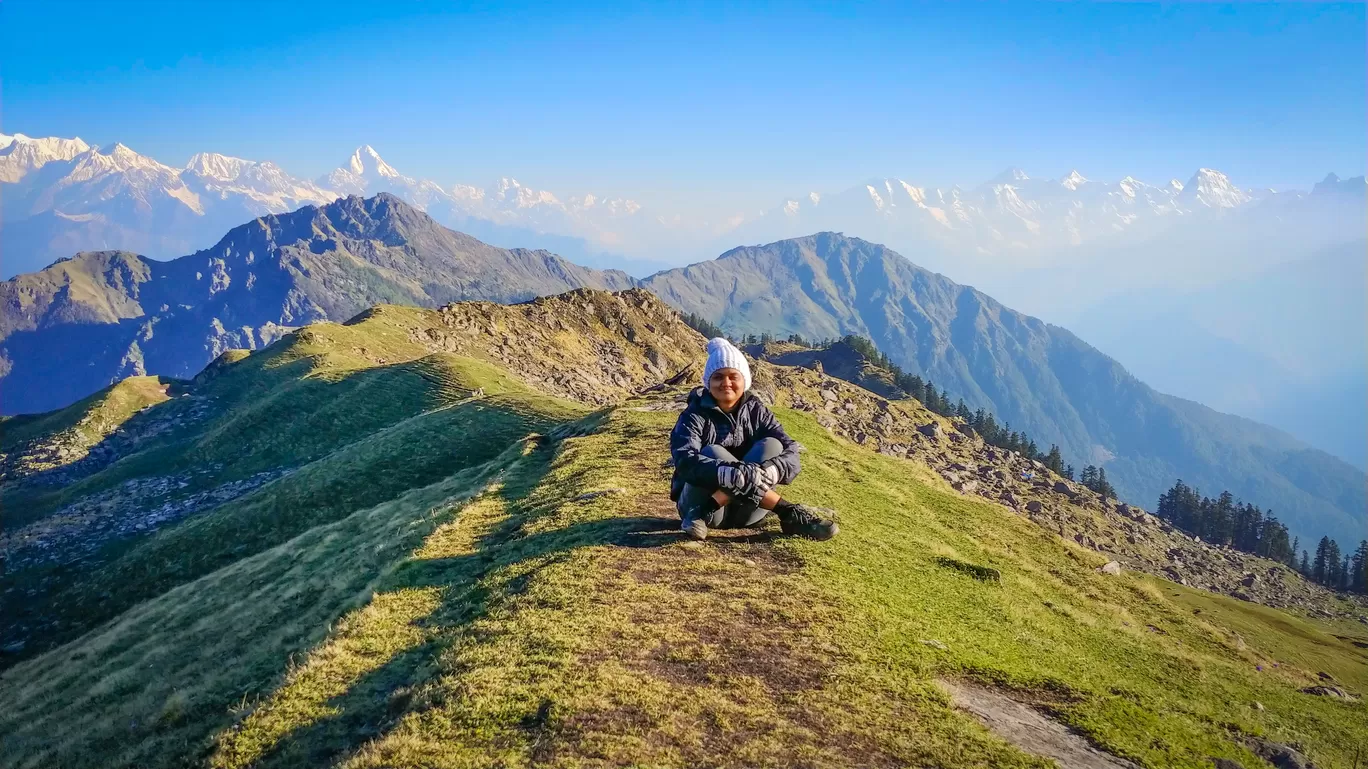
(730, 478)
(769, 477)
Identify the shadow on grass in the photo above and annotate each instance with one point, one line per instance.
(374, 701)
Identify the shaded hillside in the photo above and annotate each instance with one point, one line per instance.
(100, 316)
(1040, 378)
(454, 561)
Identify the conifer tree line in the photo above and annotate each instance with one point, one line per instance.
(1223, 520)
(1244, 526)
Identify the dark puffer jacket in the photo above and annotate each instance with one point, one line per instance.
(703, 423)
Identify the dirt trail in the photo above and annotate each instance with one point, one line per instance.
(1029, 729)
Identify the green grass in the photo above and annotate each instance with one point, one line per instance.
(452, 589)
(91, 418)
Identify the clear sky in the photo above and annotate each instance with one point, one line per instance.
(703, 103)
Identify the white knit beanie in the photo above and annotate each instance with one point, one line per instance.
(723, 354)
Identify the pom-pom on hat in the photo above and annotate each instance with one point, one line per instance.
(723, 354)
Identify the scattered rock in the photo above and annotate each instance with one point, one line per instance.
(1259, 706)
(1279, 755)
(1330, 691)
(965, 486)
(930, 430)
(1111, 567)
(747, 562)
(1034, 506)
(933, 643)
(1225, 763)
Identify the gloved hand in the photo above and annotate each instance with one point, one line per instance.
(737, 479)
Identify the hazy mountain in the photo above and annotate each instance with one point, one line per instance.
(93, 319)
(1040, 377)
(1285, 345)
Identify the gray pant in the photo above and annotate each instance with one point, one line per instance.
(739, 513)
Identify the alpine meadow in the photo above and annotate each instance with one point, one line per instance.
(684, 387)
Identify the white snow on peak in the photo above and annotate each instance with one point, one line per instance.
(1175, 185)
(376, 165)
(791, 207)
(874, 196)
(20, 154)
(1073, 181)
(215, 166)
(1213, 189)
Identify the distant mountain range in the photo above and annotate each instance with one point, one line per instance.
(63, 196)
(84, 322)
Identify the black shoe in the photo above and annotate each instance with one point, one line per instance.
(694, 525)
(805, 521)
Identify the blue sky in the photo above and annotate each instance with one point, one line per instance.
(704, 103)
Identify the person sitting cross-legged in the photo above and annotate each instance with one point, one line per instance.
(730, 453)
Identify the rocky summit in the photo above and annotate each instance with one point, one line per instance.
(442, 537)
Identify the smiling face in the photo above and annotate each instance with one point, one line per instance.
(726, 386)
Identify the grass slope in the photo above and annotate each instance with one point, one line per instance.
(538, 608)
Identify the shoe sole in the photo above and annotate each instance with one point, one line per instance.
(835, 529)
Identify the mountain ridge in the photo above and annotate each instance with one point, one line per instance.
(398, 541)
(260, 279)
(1038, 376)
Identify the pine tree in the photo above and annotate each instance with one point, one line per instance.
(1358, 570)
(1319, 572)
(1305, 567)
(1069, 472)
(1103, 486)
(1055, 460)
(962, 411)
(1332, 565)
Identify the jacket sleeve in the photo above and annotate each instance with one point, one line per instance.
(686, 446)
(767, 426)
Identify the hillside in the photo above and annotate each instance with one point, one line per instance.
(1039, 377)
(98, 317)
(442, 538)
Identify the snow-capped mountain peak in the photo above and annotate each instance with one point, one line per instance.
(215, 166)
(1073, 181)
(1213, 189)
(365, 161)
(20, 154)
(509, 191)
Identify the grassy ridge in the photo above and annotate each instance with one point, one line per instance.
(557, 619)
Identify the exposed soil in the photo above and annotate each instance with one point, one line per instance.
(1029, 729)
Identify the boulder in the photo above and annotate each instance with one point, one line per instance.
(1111, 567)
(1330, 691)
(965, 486)
(930, 429)
(1034, 506)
